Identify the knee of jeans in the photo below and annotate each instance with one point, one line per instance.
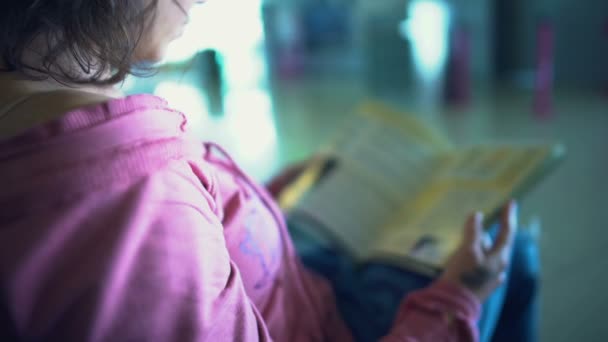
(525, 264)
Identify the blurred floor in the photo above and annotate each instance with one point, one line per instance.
(270, 125)
(570, 203)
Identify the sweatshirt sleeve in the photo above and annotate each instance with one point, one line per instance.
(129, 266)
(441, 312)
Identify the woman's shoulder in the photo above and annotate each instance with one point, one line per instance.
(93, 138)
(25, 104)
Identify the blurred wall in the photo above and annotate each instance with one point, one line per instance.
(582, 42)
(581, 55)
(477, 18)
(385, 54)
(502, 38)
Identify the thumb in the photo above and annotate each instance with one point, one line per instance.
(473, 230)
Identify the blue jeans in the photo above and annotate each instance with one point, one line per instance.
(368, 298)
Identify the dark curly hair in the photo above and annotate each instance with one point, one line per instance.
(99, 37)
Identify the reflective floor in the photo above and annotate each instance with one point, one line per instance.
(571, 203)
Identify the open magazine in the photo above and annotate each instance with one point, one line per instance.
(399, 192)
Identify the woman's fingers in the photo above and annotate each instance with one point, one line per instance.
(506, 234)
(473, 232)
(478, 265)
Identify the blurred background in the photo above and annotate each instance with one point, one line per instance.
(273, 80)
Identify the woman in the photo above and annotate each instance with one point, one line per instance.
(117, 225)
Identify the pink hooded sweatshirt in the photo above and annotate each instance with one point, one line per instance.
(117, 225)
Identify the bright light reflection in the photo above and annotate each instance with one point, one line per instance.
(217, 25)
(428, 30)
(250, 124)
(247, 128)
(188, 100)
(233, 28)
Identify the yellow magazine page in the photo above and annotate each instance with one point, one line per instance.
(378, 168)
(377, 131)
(428, 229)
(408, 124)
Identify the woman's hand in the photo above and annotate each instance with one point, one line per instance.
(477, 264)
